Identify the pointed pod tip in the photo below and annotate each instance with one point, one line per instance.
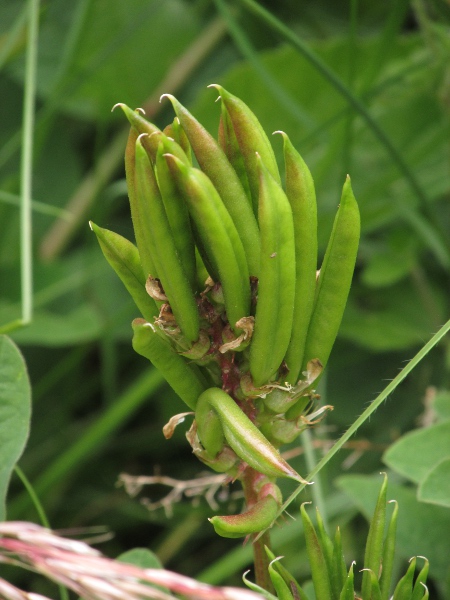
(121, 104)
(169, 96)
(91, 225)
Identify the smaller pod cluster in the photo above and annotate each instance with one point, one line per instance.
(224, 274)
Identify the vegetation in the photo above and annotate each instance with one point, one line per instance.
(359, 89)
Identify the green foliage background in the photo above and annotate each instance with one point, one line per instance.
(98, 409)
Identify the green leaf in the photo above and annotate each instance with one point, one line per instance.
(441, 405)
(415, 454)
(15, 411)
(435, 488)
(79, 326)
(141, 557)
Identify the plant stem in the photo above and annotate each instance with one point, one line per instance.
(260, 558)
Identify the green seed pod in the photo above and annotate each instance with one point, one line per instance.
(163, 249)
(348, 590)
(302, 197)
(419, 585)
(374, 545)
(229, 144)
(255, 519)
(123, 256)
(276, 287)
(216, 166)
(281, 588)
(338, 571)
(177, 133)
(404, 588)
(389, 555)
(288, 578)
(335, 279)
(218, 235)
(185, 379)
(318, 564)
(140, 211)
(176, 211)
(252, 139)
(245, 438)
(373, 586)
(141, 125)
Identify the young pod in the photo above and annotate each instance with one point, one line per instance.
(229, 144)
(185, 379)
(251, 139)
(302, 197)
(140, 125)
(140, 211)
(276, 286)
(217, 167)
(404, 588)
(176, 209)
(123, 256)
(335, 279)
(244, 437)
(389, 555)
(374, 546)
(318, 564)
(218, 237)
(287, 577)
(177, 133)
(163, 249)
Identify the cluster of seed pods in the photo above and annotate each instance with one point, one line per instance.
(224, 274)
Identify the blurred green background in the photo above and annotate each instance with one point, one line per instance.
(98, 409)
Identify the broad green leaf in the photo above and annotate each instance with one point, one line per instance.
(141, 557)
(81, 325)
(435, 487)
(441, 405)
(423, 529)
(415, 454)
(144, 559)
(15, 411)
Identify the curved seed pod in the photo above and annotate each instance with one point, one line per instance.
(276, 287)
(209, 428)
(176, 211)
(255, 519)
(229, 144)
(318, 564)
(186, 380)
(374, 545)
(163, 249)
(218, 236)
(140, 211)
(140, 125)
(123, 256)
(214, 163)
(389, 555)
(335, 279)
(251, 138)
(302, 197)
(245, 438)
(177, 133)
